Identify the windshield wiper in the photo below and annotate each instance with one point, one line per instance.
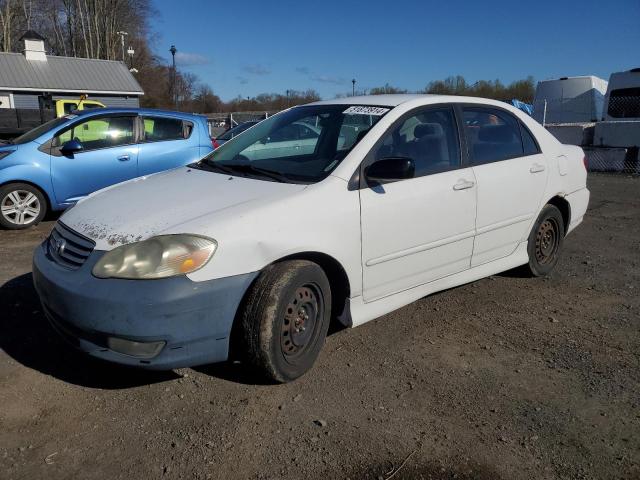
(248, 168)
(205, 164)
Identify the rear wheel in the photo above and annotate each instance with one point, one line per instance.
(545, 241)
(285, 319)
(21, 206)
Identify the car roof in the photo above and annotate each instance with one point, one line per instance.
(398, 99)
(378, 100)
(139, 111)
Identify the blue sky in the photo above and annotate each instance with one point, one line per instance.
(248, 47)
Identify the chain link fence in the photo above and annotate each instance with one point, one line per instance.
(623, 105)
(613, 160)
(581, 109)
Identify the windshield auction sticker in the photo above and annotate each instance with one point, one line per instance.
(365, 110)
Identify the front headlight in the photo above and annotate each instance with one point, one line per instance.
(159, 257)
(5, 153)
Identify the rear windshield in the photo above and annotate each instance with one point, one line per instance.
(624, 103)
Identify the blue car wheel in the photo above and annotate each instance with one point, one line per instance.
(21, 206)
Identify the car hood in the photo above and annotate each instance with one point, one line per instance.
(143, 207)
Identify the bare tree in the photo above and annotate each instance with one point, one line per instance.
(7, 20)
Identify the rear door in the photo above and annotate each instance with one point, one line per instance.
(166, 143)
(109, 156)
(418, 230)
(511, 175)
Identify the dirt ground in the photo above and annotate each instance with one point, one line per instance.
(504, 378)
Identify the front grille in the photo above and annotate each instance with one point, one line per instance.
(68, 248)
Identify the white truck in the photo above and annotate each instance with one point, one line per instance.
(601, 117)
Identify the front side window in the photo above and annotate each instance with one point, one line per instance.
(301, 145)
(157, 129)
(429, 138)
(97, 133)
(493, 135)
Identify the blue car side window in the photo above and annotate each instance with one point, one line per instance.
(159, 129)
(102, 132)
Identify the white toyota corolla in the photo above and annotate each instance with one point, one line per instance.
(354, 208)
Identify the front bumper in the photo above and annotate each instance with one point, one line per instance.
(193, 319)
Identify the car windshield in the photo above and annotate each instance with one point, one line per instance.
(232, 132)
(300, 145)
(38, 131)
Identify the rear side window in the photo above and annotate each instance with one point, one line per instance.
(158, 129)
(493, 135)
(529, 143)
(429, 138)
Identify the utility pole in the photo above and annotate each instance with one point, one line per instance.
(353, 90)
(122, 35)
(174, 93)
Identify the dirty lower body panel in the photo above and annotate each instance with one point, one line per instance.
(157, 324)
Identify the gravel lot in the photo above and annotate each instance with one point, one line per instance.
(504, 378)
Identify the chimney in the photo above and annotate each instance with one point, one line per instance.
(34, 46)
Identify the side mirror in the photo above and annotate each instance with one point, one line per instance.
(72, 146)
(390, 169)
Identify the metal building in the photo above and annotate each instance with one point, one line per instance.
(31, 79)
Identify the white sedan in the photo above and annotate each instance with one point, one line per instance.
(253, 256)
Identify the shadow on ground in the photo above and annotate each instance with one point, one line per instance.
(419, 469)
(27, 337)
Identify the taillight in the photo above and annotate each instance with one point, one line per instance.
(585, 161)
(214, 143)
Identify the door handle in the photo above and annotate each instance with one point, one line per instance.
(536, 168)
(123, 158)
(463, 185)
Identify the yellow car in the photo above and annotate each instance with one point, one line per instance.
(64, 107)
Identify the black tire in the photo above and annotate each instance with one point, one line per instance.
(545, 242)
(285, 319)
(15, 215)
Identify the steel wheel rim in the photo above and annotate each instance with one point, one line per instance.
(547, 241)
(20, 207)
(302, 319)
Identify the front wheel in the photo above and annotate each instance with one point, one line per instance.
(21, 206)
(285, 319)
(545, 241)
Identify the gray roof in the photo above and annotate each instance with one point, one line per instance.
(60, 74)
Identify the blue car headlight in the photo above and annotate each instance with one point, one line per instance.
(5, 153)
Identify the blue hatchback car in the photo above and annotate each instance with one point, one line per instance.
(58, 163)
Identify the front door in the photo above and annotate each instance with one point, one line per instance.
(511, 173)
(109, 155)
(418, 230)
